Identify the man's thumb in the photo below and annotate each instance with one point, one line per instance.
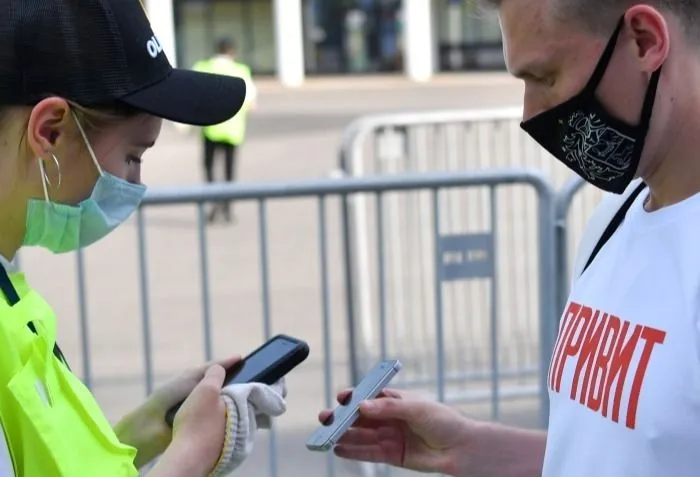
(388, 408)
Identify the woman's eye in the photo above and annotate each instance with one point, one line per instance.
(133, 160)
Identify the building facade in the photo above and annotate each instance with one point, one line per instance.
(295, 38)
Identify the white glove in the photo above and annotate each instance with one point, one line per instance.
(248, 407)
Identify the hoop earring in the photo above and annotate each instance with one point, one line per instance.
(58, 168)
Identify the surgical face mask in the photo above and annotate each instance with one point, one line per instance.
(64, 228)
(600, 148)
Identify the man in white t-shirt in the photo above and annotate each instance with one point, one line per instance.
(612, 90)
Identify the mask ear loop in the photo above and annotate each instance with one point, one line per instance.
(87, 144)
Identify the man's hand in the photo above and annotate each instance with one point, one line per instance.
(425, 436)
(145, 428)
(405, 432)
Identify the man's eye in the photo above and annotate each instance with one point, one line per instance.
(133, 160)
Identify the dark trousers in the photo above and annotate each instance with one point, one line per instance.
(230, 152)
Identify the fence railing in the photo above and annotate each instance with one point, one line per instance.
(186, 318)
(452, 307)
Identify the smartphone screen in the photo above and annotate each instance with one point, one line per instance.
(346, 414)
(256, 364)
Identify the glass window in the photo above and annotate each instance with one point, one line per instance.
(468, 37)
(262, 23)
(192, 40)
(200, 23)
(352, 36)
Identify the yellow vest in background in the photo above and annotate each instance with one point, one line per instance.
(233, 130)
(53, 425)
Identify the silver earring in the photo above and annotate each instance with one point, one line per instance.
(58, 168)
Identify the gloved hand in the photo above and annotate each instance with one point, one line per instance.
(248, 407)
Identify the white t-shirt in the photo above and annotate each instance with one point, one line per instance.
(624, 379)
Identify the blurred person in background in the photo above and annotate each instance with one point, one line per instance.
(83, 94)
(611, 91)
(227, 137)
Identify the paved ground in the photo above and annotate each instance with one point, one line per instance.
(294, 134)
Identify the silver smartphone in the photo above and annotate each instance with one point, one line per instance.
(346, 414)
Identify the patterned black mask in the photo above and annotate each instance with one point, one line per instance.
(580, 133)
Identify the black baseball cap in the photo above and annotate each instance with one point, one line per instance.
(103, 52)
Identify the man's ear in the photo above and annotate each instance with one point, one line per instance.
(650, 32)
(49, 123)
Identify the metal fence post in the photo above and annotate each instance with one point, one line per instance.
(84, 322)
(563, 202)
(548, 285)
(349, 288)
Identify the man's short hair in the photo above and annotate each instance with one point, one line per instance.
(226, 45)
(600, 16)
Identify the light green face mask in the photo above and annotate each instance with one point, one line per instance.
(64, 228)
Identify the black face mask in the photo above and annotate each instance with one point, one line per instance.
(580, 133)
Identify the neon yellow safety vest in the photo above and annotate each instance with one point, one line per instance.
(231, 131)
(52, 423)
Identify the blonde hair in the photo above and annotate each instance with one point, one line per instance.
(93, 119)
(98, 119)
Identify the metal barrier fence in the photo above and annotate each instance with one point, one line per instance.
(178, 289)
(468, 140)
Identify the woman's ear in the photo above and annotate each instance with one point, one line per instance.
(49, 122)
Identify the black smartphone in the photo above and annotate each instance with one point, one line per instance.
(267, 364)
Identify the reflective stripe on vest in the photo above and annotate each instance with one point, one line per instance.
(52, 423)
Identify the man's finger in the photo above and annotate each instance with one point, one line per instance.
(389, 408)
(371, 453)
(360, 436)
(344, 396)
(392, 393)
(324, 417)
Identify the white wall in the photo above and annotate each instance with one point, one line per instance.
(160, 13)
(419, 41)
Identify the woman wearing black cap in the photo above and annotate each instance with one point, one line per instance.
(83, 90)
